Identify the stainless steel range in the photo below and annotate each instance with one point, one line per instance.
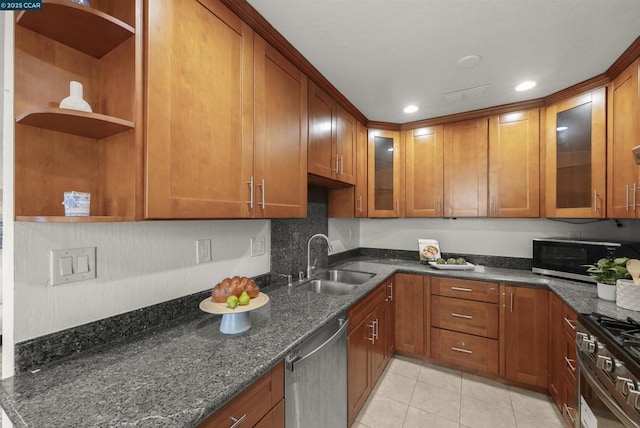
(609, 371)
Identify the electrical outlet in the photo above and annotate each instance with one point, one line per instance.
(258, 246)
(203, 250)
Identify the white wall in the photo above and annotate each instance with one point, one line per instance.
(496, 237)
(344, 234)
(138, 264)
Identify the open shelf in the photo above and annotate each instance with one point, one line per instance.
(64, 219)
(89, 125)
(88, 30)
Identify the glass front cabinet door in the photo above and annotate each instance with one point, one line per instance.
(576, 157)
(384, 173)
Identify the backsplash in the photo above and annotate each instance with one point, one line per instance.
(289, 237)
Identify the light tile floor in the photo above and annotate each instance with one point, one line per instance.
(412, 394)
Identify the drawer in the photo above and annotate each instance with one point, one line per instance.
(481, 291)
(465, 350)
(253, 403)
(465, 316)
(570, 320)
(361, 310)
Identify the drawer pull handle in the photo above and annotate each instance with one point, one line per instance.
(236, 421)
(466, 351)
(468, 290)
(570, 411)
(571, 366)
(468, 317)
(571, 323)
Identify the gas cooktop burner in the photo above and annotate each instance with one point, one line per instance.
(624, 332)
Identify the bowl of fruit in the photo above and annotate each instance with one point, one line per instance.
(452, 264)
(234, 298)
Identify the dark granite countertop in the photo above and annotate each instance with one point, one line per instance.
(177, 375)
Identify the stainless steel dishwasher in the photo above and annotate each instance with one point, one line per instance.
(316, 379)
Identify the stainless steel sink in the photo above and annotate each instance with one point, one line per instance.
(326, 287)
(346, 276)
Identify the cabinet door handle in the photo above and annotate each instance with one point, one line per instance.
(570, 411)
(635, 190)
(467, 290)
(372, 338)
(377, 331)
(341, 164)
(337, 165)
(251, 192)
(627, 197)
(468, 317)
(236, 421)
(390, 295)
(263, 204)
(571, 366)
(359, 209)
(511, 302)
(571, 323)
(465, 351)
(595, 200)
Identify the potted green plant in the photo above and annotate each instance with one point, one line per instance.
(607, 272)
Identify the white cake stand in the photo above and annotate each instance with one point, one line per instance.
(236, 320)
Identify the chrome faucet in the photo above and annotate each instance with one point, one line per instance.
(309, 267)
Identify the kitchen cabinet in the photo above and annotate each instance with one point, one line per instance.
(332, 138)
(280, 135)
(411, 292)
(576, 157)
(464, 323)
(562, 357)
(465, 168)
(351, 201)
(260, 405)
(385, 170)
(524, 318)
(226, 118)
(514, 164)
(424, 171)
(367, 349)
(623, 174)
(59, 150)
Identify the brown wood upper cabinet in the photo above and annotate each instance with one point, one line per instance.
(524, 321)
(623, 175)
(465, 168)
(384, 173)
(514, 164)
(576, 157)
(332, 138)
(226, 118)
(424, 171)
(61, 150)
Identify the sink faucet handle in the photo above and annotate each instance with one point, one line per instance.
(289, 278)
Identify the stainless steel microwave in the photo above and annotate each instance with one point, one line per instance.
(566, 258)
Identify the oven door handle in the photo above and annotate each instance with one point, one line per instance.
(602, 394)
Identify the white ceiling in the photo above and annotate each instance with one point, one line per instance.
(385, 54)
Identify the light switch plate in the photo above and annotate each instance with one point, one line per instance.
(78, 264)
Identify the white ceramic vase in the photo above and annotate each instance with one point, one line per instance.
(607, 292)
(75, 101)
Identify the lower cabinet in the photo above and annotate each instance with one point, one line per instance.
(410, 292)
(260, 405)
(562, 357)
(524, 318)
(368, 345)
(465, 324)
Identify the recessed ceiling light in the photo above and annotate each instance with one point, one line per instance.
(411, 109)
(562, 128)
(469, 61)
(525, 86)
